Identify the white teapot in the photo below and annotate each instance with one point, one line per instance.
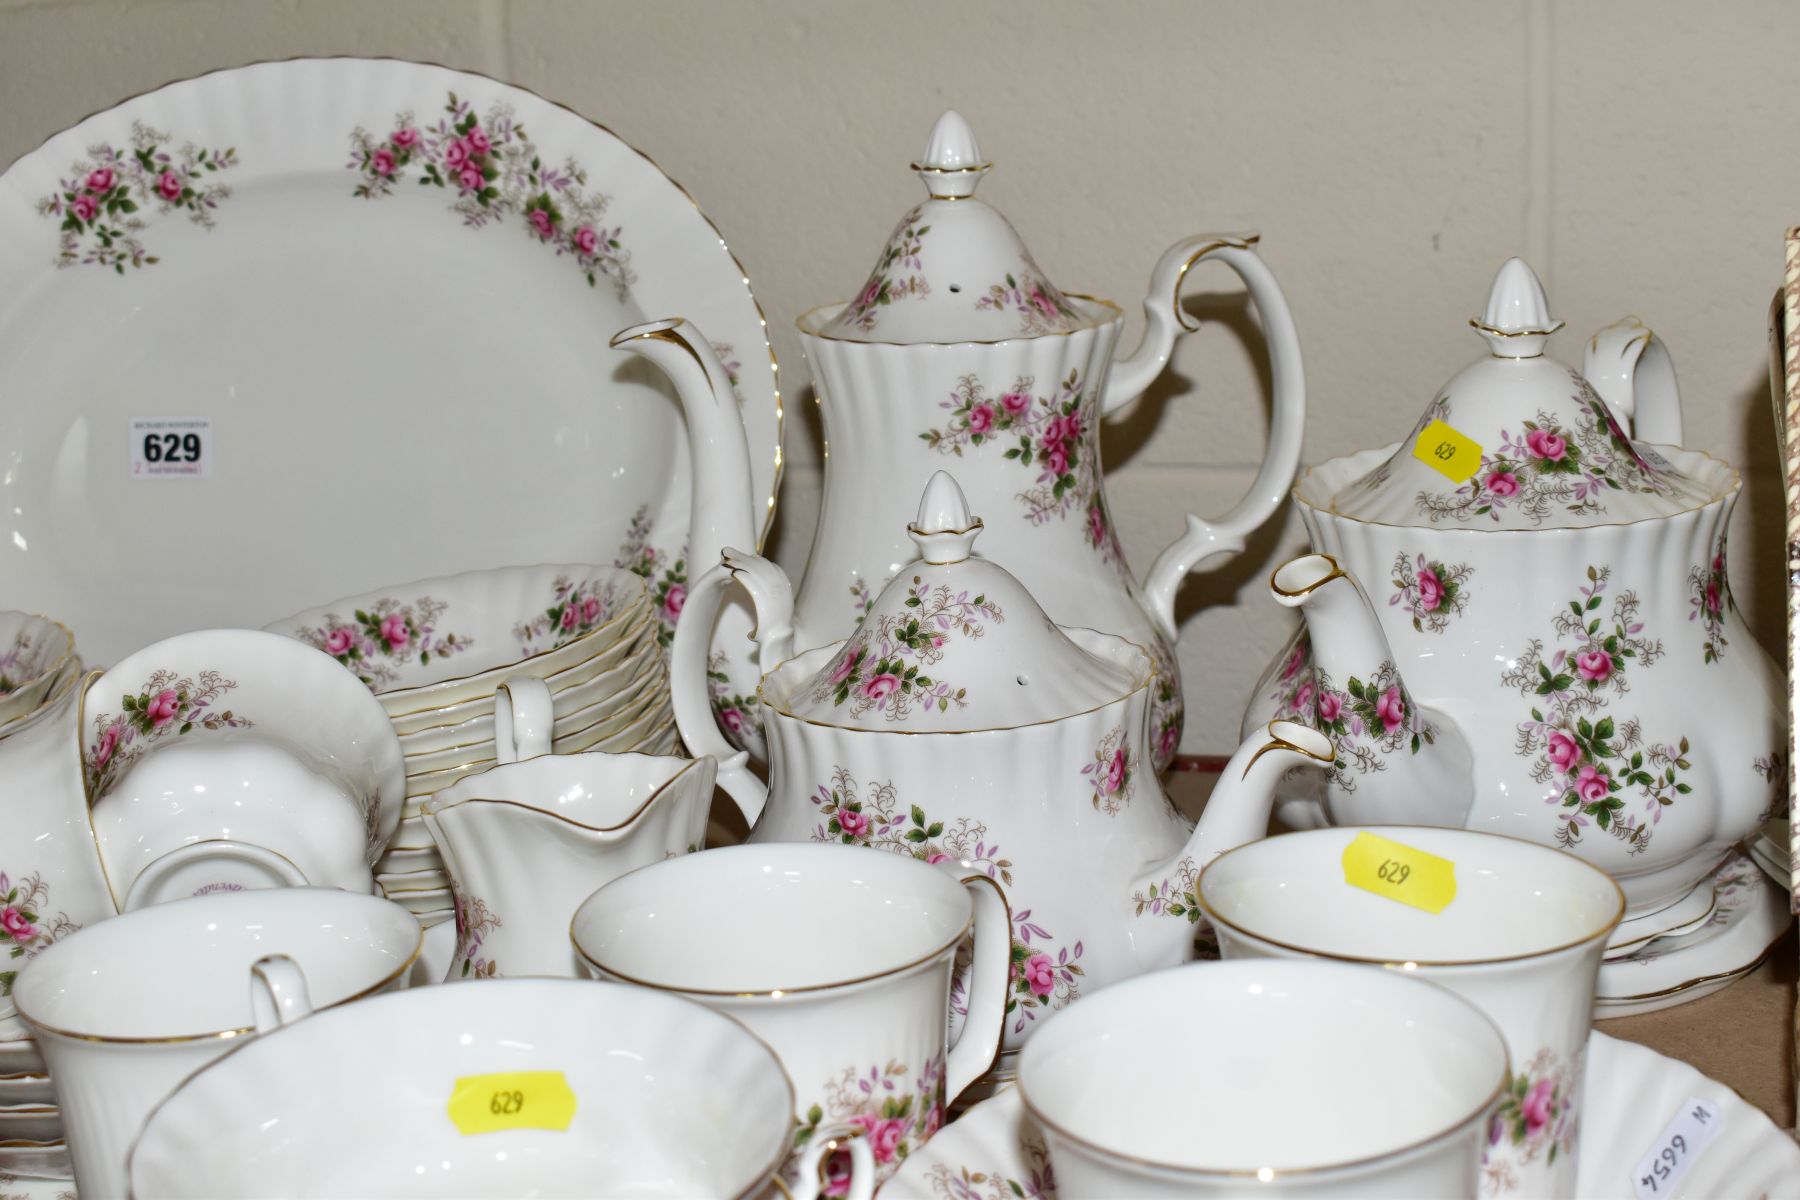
(958, 351)
(959, 723)
(1519, 618)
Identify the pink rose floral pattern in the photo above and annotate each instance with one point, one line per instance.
(1295, 693)
(896, 1110)
(26, 926)
(665, 573)
(1544, 466)
(1109, 774)
(1044, 977)
(1708, 594)
(496, 172)
(1370, 720)
(1178, 896)
(103, 204)
(167, 706)
(884, 669)
(1037, 1182)
(1430, 591)
(1593, 765)
(1041, 308)
(735, 713)
(23, 662)
(473, 923)
(1536, 1120)
(575, 609)
(887, 283)
(1050, 435)
(1167, 712)
(873, 816)
(384, 637)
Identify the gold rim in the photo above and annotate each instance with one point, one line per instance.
(1269, 1174)
(396, 974)
(762, 318)
(1143, 685)
(630, 694)
(1408, 963)
(1277, 742)
(810, 327)
(1513, 333)
(1729, 488)
(1337, 572)
(1219, 243)
(432, 808)
(1762, 957)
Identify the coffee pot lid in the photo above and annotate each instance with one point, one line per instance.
(954, 643)
(954, 269)
(1517, 440)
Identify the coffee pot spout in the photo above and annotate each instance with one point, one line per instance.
(1397, 761)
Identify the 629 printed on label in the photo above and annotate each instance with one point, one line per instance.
(171, 448)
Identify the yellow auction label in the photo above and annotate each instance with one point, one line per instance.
(1448, 452)
(1400, 872)
(512, 1100)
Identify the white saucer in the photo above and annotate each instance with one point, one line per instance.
(1684, 916)
(436, 955)
(1752, 915)
(14, 1187)
(994, 1153)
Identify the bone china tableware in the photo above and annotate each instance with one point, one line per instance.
(34, 652)
(225, 737)
(126, 1009)
(957, 349)
(959, 723)
(995, 1150)
(660, 1097)
(1520, 936)
(1299, 1078)
(283, 202)
(837, 957)
(1547, 617)
(525, 843)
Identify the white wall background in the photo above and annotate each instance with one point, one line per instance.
(1392, 154)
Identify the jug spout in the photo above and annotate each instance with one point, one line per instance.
(1397, 762)
(722, 509)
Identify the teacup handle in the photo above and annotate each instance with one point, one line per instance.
(524, 719)
(862, 1164)
(278, 995)
(972, 1053)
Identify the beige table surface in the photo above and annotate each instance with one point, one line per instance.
(1741, 1036)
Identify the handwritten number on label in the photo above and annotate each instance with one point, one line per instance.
(505, 1104)
(1678, 1148)
(1394, 872)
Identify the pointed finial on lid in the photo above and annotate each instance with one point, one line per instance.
(944, 531)
(1517, 320)
(952, 164)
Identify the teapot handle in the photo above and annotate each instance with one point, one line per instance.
(1207, 540)
(1629, 366)
(690, 679)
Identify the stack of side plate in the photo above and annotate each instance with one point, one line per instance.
(614, 698)
(31, 1132)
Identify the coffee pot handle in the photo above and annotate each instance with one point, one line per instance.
(1208, 540)
(691, 680)
(990, 968)
(811, 1181)
(278, 995)
(524, 719)
(1630, 368)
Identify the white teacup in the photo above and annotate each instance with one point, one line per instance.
(526, 842)
(123, 1010)
(1223, 1079)
(1522, 940)
(838, 956)
(669, 1099)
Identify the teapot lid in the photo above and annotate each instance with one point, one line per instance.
(954, 643)
(954, 269)
(1517, 440)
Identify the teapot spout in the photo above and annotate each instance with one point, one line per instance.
(1397, 762)
(1238, 810)
(722, 508)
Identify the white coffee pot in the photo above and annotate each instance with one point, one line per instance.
(1519, 619)
(960, 724)
(959, 351)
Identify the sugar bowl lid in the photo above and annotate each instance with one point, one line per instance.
(954, 269)
(954, 644)
(1517, 440)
